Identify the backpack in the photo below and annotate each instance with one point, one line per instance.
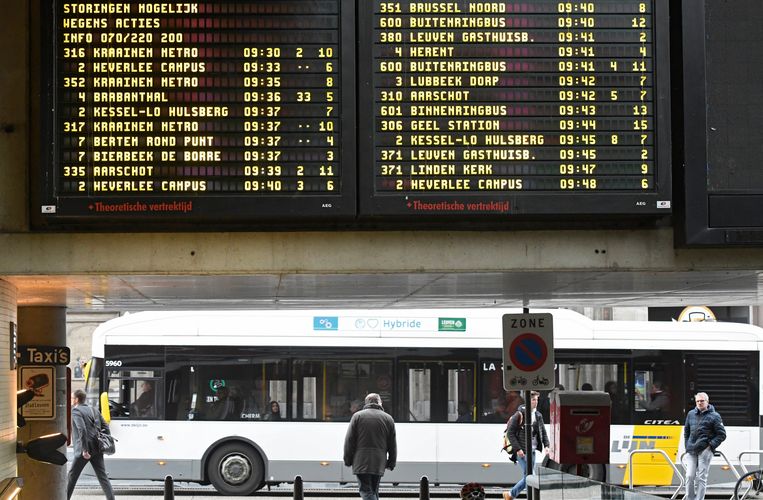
(506, 441)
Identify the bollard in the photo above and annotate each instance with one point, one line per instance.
(299, 492)
(424, 488)
(169, 488)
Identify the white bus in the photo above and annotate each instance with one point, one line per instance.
(190, 393)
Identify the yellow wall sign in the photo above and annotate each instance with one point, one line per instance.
(696, 313)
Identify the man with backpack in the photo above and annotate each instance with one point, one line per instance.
(86, 421)
(516, 433)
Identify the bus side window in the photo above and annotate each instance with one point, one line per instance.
(654, 398)
(588, 375)
(145, 404)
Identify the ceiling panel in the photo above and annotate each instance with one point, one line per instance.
(386, 290)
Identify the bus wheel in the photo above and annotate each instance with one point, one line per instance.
(235, 469)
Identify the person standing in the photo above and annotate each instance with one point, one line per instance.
(703, 433)
(86, 421)
(370, 446)
(517, 437)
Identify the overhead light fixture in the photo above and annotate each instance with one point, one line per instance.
(10, 488)
(22, 397)
(45, 449)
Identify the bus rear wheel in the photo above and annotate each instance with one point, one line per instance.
(235, 469)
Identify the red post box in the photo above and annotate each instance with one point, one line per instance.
(580, 427)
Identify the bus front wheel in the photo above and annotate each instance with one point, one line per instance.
(235, 469)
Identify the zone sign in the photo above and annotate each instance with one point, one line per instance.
(528, 352)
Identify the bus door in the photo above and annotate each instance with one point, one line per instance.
(658, 413)
(436, 392)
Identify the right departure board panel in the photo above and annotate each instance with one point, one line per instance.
(535, 107)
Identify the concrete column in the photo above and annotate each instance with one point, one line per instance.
(44, 326)
(7, 382)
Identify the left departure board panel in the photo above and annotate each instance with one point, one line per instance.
(214, 111)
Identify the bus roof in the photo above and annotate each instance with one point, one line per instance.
(409, 328)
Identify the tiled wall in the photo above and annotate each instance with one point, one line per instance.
(7, 383)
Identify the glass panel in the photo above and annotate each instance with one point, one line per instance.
(557, 485)
(93, 382)
(276, 381)
(461, 394)
(309, 397)
(586, 376)
(135, 393)
(653, 397)
(346, 384)
(146, 402)
(497, 405)
(278, 398)
(607, 377)
(419, 390)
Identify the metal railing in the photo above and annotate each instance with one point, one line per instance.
(718, 453)
(747, 452)
(667, 459)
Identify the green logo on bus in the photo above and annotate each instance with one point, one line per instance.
(451, 324)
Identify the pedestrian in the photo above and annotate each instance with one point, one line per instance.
(274, 413)
(703, 433)
(86, 421)
(370, 446)
(516, 433)
(659, 398)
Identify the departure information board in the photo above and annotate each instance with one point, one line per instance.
(514, 107)
(231, 110)
(261, 112)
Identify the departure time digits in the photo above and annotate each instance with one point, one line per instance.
(161, 99)
(481, 96)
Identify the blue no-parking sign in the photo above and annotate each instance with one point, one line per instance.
(528, 351)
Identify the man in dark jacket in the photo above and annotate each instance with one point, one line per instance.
(703, 433)
(517, 437)
(86, 421)
(370, 446)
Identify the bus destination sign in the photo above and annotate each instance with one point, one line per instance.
(514, 107)
(226, 110)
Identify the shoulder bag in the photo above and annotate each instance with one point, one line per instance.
(106, 442)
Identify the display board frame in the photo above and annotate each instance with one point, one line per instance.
(358, 207)
(707, 219)
(524, 205)
(49, 210)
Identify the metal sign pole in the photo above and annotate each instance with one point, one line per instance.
(529, 451)
(528, 363)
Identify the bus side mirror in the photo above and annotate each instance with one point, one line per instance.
(86, 371)
(105, 410)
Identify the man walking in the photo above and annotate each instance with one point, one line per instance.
(703, 433)
(370, 446)
(86, 421)
(516, 434)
